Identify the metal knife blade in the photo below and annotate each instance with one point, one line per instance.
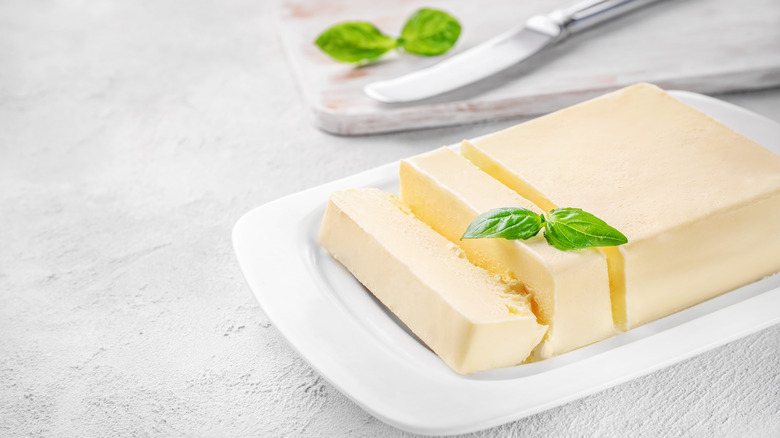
(466, 68)
(499, 53)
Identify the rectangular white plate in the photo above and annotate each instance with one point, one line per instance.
(358, 346)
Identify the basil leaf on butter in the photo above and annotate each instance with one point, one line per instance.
(355, 41)
(572, 228)
(508, 223)
(429, 32)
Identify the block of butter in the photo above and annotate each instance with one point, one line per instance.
(471, 319)
(570, 289)
(698, 202)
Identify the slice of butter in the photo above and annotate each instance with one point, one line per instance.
(471, 319)
(699, 203)
(570, 289)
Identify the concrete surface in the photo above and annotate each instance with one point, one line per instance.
(132, 135)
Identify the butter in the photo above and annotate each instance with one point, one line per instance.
(470, 319)
(570, 289)
(699, 203)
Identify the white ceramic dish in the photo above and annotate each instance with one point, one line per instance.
(363, 350)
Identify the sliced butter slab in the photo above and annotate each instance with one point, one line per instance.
(699, 203)
(570, 289)
(469, 318)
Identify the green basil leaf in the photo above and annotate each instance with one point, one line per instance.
(355, 41)
(572, 228)
(429, 32)
(507, 223)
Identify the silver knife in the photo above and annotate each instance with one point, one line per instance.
(499, 53)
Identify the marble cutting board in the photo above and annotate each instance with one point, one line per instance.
(707, 46)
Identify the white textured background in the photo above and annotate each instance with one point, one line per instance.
(132, 135)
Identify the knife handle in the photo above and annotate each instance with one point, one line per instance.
(588, 13)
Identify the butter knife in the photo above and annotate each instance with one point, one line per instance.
(499, 53)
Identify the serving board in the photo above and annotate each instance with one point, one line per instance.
(707, 46)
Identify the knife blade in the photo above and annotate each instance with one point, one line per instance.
(499, 53)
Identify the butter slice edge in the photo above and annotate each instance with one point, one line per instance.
(470, 319)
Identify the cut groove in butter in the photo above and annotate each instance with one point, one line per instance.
(698, 202)
(570, 289)
(470, 319)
